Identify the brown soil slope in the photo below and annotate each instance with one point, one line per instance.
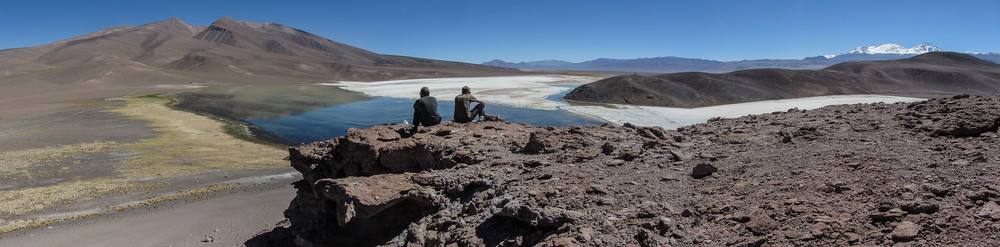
(930, 73)
(923, 173)
(229, 51)
(169, 54)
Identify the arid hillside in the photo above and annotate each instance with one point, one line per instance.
(172, 54)
(930, 73)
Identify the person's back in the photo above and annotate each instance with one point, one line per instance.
(462, 102)
(425, 110)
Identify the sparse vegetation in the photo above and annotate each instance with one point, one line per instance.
(188, 143)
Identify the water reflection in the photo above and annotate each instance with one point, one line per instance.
(271, 101)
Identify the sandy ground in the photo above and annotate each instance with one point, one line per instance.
(517, 91)
(229, 218)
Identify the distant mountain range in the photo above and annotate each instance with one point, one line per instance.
(668, 64)
(928, 73)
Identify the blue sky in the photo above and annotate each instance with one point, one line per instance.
(478, 30)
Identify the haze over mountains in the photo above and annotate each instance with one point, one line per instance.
(929, 73)
(173, 52)
(679, 64)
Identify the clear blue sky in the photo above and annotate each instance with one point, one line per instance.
(514, 30)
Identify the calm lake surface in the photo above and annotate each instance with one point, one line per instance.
(333, 121)
(292, 114)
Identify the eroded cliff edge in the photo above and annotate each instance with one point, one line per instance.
(875, 174)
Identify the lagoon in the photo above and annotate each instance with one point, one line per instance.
(333, 121)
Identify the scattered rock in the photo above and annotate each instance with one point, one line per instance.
(786, 139)
(585, 155)
(852, 237)
(982, 195)
(681, 155)
(741, 218)
(834, 187)
(990, 210)
(586, 234)
(598, 189)
(917, 207)
(687, 213)
(616, 163)
(960, 163)
(607, 148)
(905, 231)
(629, 155)
(423, 178)
(549, 216)
(702, 170)
(937, 190)
(894, 214)
(443, 132)
(761, 224)
(559, 242)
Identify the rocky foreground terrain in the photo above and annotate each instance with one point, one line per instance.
(922, 174)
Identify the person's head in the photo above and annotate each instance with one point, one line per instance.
(466, 90)
(424, 92)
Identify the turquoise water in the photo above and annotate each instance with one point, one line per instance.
(333, 121)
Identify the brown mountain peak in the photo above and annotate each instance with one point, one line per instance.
(224, 20)
(230, 23)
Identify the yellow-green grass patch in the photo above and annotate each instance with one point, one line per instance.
(23, 164)
(188, 143)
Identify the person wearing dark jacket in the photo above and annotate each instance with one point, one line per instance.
(425, 110)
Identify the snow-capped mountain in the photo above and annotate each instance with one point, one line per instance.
(890, 48)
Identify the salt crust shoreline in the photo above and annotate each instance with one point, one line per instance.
(531, 92)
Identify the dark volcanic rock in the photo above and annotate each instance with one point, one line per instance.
(703, 169)
(840, 182)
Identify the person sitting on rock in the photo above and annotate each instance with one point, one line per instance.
(425, 110)
(462, 112)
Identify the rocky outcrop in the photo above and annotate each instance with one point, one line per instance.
(216, 35)
(876, 174)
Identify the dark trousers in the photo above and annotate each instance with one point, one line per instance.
(478, 111)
